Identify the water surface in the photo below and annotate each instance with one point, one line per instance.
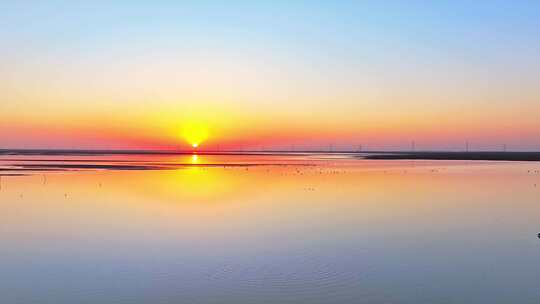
(295, 228)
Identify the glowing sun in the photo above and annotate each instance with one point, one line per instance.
(195, 132)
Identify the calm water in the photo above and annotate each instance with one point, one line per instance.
(267, 229)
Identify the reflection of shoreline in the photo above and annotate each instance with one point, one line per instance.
(29, 164)
(13, 174)
(123, 167)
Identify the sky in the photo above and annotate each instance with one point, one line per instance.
(270, 74)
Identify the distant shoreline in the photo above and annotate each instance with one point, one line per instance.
(373, 155)
(486, 156)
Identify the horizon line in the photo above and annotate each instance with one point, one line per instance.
(245, 151)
